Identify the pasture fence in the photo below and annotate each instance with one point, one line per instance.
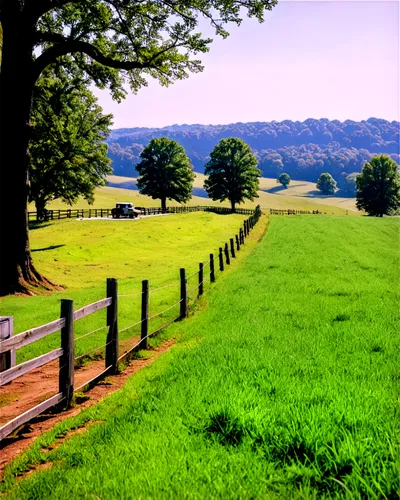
(274, 211)
(88, 213)
(65, 354)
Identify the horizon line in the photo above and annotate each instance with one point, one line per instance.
(252, 122)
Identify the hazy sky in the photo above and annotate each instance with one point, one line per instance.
(309, 59)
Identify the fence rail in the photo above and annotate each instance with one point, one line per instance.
(9, 343)
(274, 211)
(88, 213)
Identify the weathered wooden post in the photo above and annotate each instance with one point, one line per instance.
(184, 308)
(221, 260)
(7, 359)
(145, 315)
(226, 250)
(244, 229)
(212, 269)
(201, 277)
(232, 248)
(237, 242)
(67, 370)
(112, 346)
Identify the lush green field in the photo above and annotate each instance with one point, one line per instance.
(285, 386)
(80, 255)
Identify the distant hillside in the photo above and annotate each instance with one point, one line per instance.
(302, 149)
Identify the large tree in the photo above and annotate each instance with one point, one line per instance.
(113, 41)
(232, 172)
(165, 172)
(378, 186)
(68, 153)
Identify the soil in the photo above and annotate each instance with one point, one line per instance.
(30, 389)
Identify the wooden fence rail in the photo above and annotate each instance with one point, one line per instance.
(274, 211)
(9, 343)
(87, 213)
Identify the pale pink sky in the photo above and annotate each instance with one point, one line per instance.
(309, 59)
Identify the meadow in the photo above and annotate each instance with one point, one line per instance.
(284, 384)
(81, 255)
(300, 195)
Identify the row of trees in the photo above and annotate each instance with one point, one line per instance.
(377, 188)
(165, 172)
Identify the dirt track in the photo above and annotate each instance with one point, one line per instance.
(30, 389)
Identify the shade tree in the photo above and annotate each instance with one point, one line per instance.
(165, 172)
(232, 172)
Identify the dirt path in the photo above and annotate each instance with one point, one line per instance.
(38, 385)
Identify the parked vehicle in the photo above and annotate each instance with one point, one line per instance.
(124, 209)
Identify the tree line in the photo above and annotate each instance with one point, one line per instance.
(302, 149)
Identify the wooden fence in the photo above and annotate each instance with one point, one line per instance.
(274, 211)
(88, 213)
(9, 343)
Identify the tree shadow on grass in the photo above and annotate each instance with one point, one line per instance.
(37, 225)
(273, 190)
(51, 247)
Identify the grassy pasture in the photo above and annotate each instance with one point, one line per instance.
(80, 255)
(299, 196)
(285, 386)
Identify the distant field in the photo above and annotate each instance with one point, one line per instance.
(299, 196)
(284, 386)
(80, 255)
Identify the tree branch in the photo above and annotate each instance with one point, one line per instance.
(71, 46)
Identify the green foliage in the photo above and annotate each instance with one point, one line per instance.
(326, 184)
(165, 171)
(378, 186)
(232, 172)
(156, 39)
(284, 179)
(266, 396)
(68, 153)
(348, 186)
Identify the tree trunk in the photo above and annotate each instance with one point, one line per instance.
(233, 206)
(17, 273)
(163, 205)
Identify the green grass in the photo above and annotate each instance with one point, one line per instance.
(285, 386)
(80, 255)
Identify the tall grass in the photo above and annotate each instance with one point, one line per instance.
(285, 386)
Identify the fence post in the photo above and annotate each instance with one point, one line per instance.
(184, 309)
(221, 260)
(244, 229)
(212, 270)
(241, 236)
(66, 373)
(112, 346)
(145, 315)
(237, 242)
(7, 359)
(232, 248)
(201, 274)
(226, 250)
